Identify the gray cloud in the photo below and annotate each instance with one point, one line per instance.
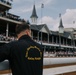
(68, 17)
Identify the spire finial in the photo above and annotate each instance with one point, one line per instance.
(34, 2)
(61, 24)
(61, 27)
(60, 15)
(34, 15)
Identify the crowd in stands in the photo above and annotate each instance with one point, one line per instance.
(59, 54)
(11, 16)
(14, 17)
(46, 53)
(4, 38)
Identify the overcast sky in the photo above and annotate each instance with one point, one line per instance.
(50, 12)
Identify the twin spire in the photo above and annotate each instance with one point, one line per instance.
(61, 27)
(61, 24)
(34, 12)
(34, 16)
(34, 20)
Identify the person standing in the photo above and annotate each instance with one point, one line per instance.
(25, 55)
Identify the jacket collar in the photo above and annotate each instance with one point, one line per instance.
(25, 37)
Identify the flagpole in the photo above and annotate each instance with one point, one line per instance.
(42, 6)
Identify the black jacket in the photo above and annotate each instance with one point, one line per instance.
(25, 56)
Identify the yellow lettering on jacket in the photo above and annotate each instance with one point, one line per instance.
(33, 58)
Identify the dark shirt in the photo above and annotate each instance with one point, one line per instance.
(25, 56)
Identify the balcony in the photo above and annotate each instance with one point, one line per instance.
(5, 5)
(11, 18)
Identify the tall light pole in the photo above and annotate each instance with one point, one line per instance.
(42, 6)
(60, 32)
(73, 37)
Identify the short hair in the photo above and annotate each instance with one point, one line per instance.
(20, 28)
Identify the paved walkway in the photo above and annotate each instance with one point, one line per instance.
(59, 70)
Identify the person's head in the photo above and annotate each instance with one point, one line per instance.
(23, 29)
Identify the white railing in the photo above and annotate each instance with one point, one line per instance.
(54, 44)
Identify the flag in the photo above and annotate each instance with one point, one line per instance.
(42, 5)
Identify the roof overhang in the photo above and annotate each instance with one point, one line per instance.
(4, 6)
(10, 20)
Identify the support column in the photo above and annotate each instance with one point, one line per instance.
(59, 41)
(38, 37)
(7, 30)
(74, 42)
(52, 39)
(71, 42)
(56, 40)
(41, 37)
(6, 12)
(44, 49)
(66, 41)
(48, 37)
(63, 41)
(32, 34)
